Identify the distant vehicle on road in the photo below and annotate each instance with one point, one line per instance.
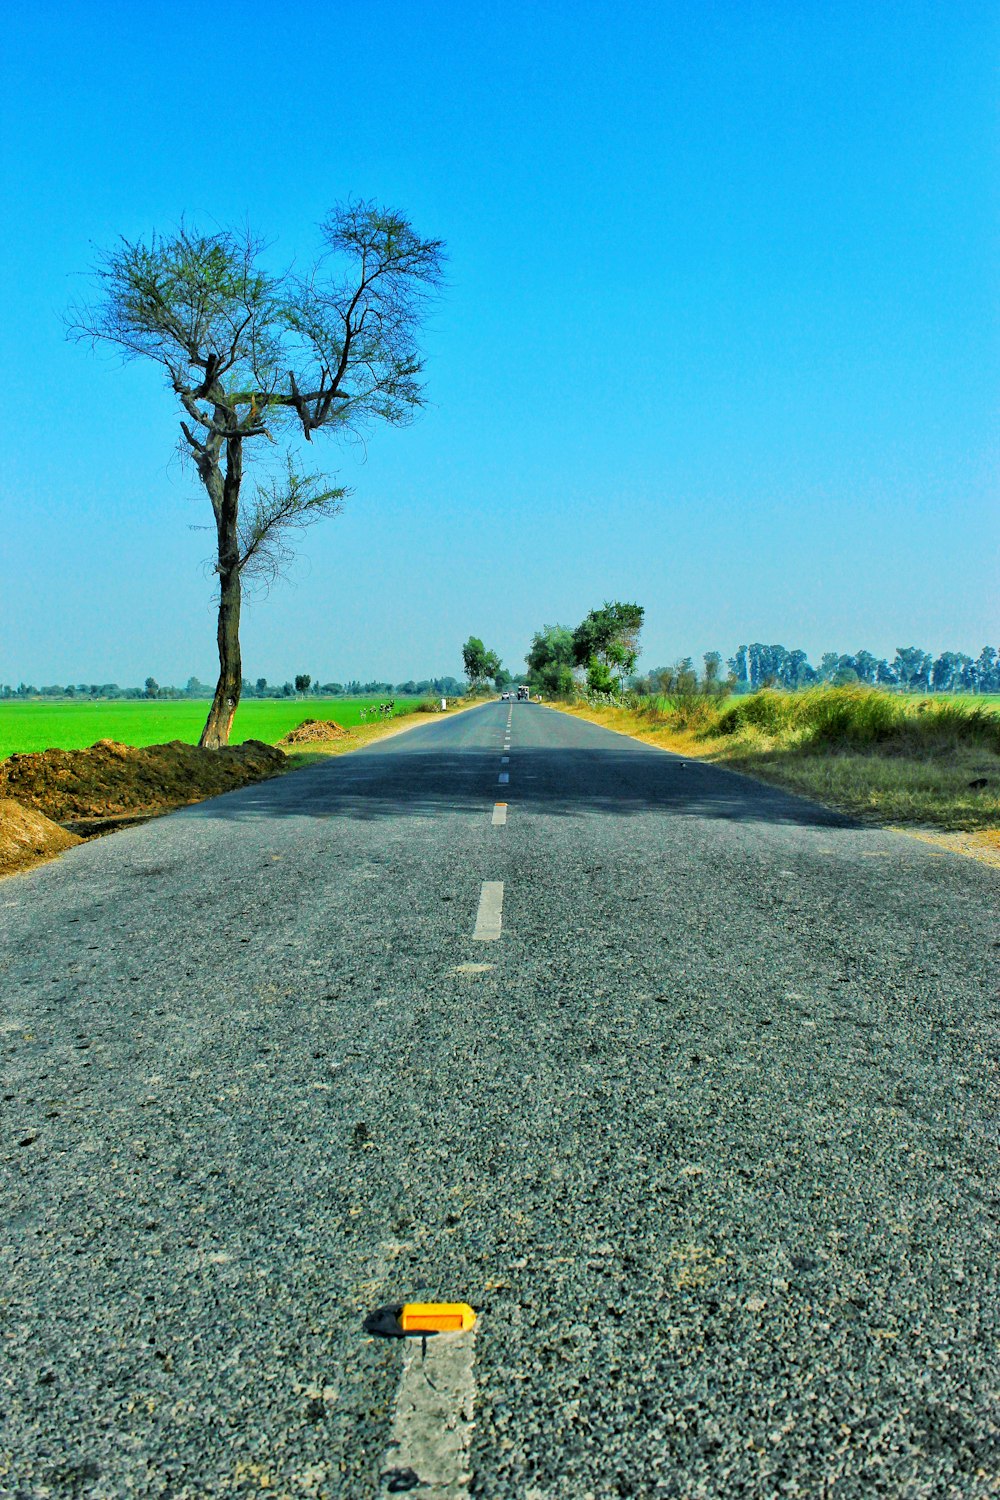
(522, 693)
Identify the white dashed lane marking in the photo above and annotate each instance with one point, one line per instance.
(489, 918)
(503, 778)
(432, 1421)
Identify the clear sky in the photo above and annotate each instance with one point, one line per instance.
(721, 333)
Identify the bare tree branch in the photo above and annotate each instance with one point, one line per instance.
(290, 503)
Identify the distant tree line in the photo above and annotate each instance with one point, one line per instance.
(601, 652)
(912, 670)
(302, 686)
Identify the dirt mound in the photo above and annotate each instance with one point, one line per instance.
(315, 729)
(27, 836)
(112, 781)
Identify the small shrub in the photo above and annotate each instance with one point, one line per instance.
(960, 724)
(849, 715)
(767, 710)
(693, 711)
(653, 707)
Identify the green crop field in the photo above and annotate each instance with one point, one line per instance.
(39, 725)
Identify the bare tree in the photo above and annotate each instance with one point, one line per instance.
(252, 355)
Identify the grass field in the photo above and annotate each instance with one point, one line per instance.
(73, 726)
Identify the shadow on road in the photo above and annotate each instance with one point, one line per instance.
(559, 782)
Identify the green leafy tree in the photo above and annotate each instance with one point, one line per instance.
(302, 681)
(600, 678)
(480, 664)
(865, 664)
(550, 661)
(739, 669)
(611, 634)
(798, 671)
(256, 359)
(913, 667)
(713, 684)
(678, 681)
(988, 671)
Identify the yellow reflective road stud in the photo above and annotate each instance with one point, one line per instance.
(436, 1317)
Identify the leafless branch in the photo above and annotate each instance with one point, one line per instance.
(289, 503)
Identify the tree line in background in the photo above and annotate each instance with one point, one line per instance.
(601, 652)
(303, 686)
(912, 669)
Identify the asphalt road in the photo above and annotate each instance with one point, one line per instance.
(708, 1135)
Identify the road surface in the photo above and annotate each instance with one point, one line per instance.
(689, 1087)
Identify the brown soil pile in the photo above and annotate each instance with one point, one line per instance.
(26, 837)
(315, 729)
(111, 781)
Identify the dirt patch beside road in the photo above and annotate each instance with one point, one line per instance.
(27, 837)
(312, 731)
(111, 783)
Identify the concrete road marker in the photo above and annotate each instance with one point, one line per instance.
(489, 918)
(499, 814)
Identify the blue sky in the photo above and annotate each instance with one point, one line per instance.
(720, 335)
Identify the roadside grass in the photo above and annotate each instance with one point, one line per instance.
(881, 756)
(364, 734)
(32, 726)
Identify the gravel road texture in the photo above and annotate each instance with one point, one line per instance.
(708, 1134)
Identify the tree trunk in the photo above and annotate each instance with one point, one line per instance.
(227, 691)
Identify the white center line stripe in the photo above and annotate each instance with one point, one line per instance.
(490, 914)
(499, 814)
(505, 760)
(432, 1422)
(503, 778)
